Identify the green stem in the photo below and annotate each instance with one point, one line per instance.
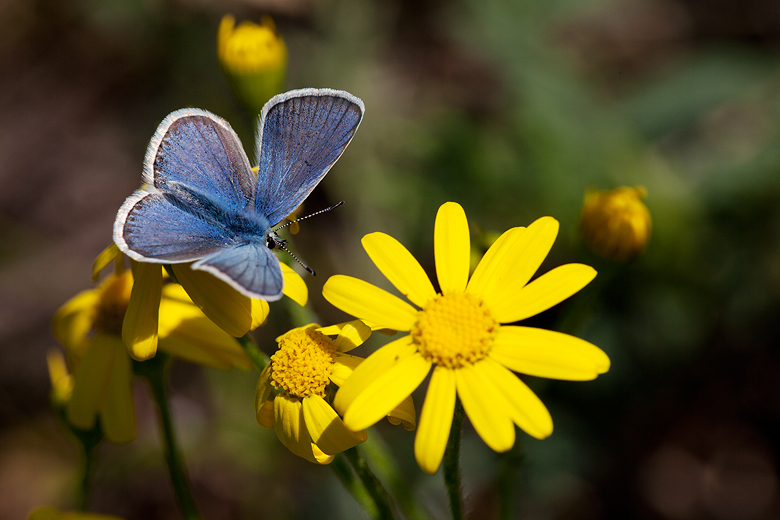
(377, 492)
(452, 463)
(258, 358)
(87, 462)
(507, 476)
(343, 471)
(156, 370)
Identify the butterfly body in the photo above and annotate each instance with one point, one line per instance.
(201, 202)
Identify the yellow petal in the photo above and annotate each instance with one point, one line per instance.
(372, 367)
(386, 392)
(139, 327)
(549, 289)
(451, 248)
(326, 428)
(294, 286)
(72, 321)
(368, 302)
(486, 407)
(118, 414)
(49, 513)
(546, 353)
(483, 277)
(343, 366)
(526, 410)
(291, 429)
(265, 415)
(263, 390)
(515, 262)
(260, 311)
(90, 380)
(404, 414)
(186, 333)
(228, 308)
(61, 380)
(105, 257)
(435, 420)
(400, 267)
(351, 334)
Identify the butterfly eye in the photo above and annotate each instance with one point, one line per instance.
(270, 243)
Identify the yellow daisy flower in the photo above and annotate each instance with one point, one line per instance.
(616, 224)
(254, 59)
(90, 327)
(233, 312)
(294, 389)
(459, 333)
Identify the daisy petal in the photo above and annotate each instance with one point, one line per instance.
(265, 415)
(263, 389)
(484, 272)
(105, 257)
(139, 327)
(526, 410)
(291, 428)
(400, 267)
(546, 353)
(228, 308)
(386, 392)
(404, 414)
(259, 310)
(435, 420)
(117, 414)
(343, 366)
(351, 335)
(486, 407)
(367, 370)
(294, 286)
(549, 289)
(90, 380)
(514, 263)
(451, 248)
(72, 321)
(326, 428)
(368, 302)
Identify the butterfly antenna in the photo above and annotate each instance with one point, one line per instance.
(311, 215)
(311, 271)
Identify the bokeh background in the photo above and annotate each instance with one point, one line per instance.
(511, 108)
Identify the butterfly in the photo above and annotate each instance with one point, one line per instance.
(201, 202)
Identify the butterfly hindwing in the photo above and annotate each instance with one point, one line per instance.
(250, 267)
(301, 134)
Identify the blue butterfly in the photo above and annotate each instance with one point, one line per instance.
(200, 201)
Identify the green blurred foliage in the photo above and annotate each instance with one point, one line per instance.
(512, 109)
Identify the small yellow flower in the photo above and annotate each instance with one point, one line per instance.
(254, 59)
(91, 326)
(616, 224)
(49, 513)
(233, 312)
(293, 391)
(460, 334)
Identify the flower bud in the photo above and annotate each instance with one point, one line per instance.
(616, 224)
(254, 59)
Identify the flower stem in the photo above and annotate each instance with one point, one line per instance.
(377, 492)
(259, 358)
(343, 471)
(87, 462)
(156, 370)
(452, 463)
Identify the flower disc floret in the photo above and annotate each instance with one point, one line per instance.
(454, 330)
(302, 365)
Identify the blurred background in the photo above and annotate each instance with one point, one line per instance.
(512, 109)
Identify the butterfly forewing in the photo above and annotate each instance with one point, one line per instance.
(302, 134)
(200, 150)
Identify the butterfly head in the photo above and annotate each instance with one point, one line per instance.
(273, 242)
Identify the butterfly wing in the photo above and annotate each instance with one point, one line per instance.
(195, 172)
(249, 267)
(301, 134)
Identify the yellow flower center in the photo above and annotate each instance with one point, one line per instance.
(301, 366)
(112, 304)
(454, 330)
